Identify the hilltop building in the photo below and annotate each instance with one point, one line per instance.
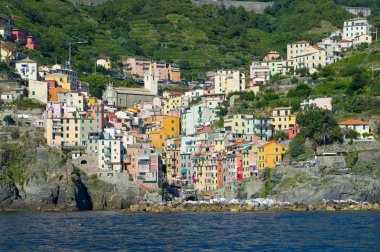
(122, 97)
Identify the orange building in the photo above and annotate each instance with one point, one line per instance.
(53, 93)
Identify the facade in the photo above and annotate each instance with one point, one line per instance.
(227, 81)
(282, 118)
(293, 50)
(272, 55)
(128, 97)
(170, 128)
(197, 116)
(110, 152)
(6, 26)
(69, 75)
(323, 103)
(271, 154)
(7, 52)
(164, 71)
(19, 35)
(236, 123)
(39, 90)
(27, 69)
(170, 104)
(355, 27)
(105, 63)
(260, 72)
(32, 43)
(359, 126)
(312, 58)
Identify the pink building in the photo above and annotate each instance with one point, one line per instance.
(293, 131)
(32, 43)
(144, 166)
(19, 35)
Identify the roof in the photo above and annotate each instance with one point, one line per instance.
(353, 122)
(345, 41)
(136, 91)
(56, 75)
(27, 60)
(317, 48)
(301, 42)
(53, 93)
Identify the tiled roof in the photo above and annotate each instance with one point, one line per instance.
(353, 122)
(301, 42)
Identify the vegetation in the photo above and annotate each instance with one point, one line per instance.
(196, 38)
(8, 120)
(319, 125)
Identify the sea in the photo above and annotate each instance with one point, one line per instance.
(253, 231)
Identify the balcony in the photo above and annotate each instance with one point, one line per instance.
(143, 168)
(57, 131)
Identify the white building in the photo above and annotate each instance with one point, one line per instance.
(227, 81)
(333, 49)
(197, 116)
(39, 90)
(260, 72)
(109, 154)
(194, 94)
(310, 58)
(27, 68)
(355, 27)
(356, 125)
(323, 103)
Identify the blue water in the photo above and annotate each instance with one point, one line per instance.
(289, 231)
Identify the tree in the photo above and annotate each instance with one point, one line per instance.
(15, 134)
(297, 146)
(221, 111)
(351, 134)
(8, 120)
(319, 124)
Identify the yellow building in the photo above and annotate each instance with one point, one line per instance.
(62, 80)
(170, 128)
(236, 123)
(270, 154)
(105, 63)
(172, 104)
(282, 118)
(63, 131)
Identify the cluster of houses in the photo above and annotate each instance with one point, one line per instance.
(177, 136)
(9, 35)
(171, 136)
(303, 55)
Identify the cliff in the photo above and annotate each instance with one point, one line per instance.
(34, 177)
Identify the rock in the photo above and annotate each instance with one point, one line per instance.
(134, 208)
(330, 209)
(358, 208)
(234, 210)
(376, 206)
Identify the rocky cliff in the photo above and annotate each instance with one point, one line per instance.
(34, 177)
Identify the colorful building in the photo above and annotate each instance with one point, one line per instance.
(271, 154)
(282, 118)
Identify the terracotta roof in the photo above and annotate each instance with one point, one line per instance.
(353, 122)
(301, 42)
(53, 93)
(345, 41)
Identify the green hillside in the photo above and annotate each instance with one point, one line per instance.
(197, 38)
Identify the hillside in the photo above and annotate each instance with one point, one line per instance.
(197, 38)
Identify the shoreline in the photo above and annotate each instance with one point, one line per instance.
(245, 206)
(185, 207)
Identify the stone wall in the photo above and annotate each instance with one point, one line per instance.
(258, 7)
(359, 11)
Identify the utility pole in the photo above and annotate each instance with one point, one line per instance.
(71, 43)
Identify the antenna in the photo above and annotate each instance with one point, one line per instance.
(70, 43)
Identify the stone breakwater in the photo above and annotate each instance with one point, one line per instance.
(250, 206)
